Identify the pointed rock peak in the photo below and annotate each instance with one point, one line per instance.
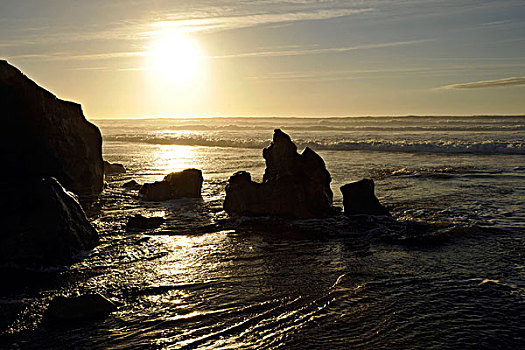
(309, 155)
(280, 136)
(281, 156)
(281, 143)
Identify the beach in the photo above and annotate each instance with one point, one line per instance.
(446, 271)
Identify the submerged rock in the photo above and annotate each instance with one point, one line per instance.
(132, 185)
(142, 222)
(42, 223)
(45, 136)
(181, 184)
(113, 168)
(294, 185)
(359, 198)
(81, 308)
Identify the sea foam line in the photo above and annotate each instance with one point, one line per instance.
(484, 147)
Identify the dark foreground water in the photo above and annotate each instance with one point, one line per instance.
(447, 272)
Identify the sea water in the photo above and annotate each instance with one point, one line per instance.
(471, 167)
(447, 272)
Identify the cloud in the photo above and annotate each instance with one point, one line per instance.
(195, 18)
(497, 23)
(88, 69)
(283, 53)
(72, 57)
(513, 81)
(210, 24)
(108, 69)
(333, 75)
(294, 51)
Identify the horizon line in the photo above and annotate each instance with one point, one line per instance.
(312, 116)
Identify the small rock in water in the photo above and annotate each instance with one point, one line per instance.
(294, 185)
(82, 308)
(181, 184)
(132, 185)
(359, 198)
(142, 222)
(113, 168)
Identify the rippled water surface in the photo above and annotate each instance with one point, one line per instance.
(448, 271)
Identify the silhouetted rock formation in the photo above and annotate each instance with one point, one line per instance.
(82, 308)
(142, 222)
(132, 185)
(113, 168)
(359, 198)
(45, 136)
(42, 223)
(294, 185)
(186, 183)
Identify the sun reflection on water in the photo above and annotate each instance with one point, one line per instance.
(175, 158)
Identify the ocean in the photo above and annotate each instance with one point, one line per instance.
(447, 272)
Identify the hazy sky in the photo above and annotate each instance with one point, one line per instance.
(143, 58)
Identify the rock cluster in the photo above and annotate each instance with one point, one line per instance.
(45, 136)
(186, 183)
(294, 185)
(42, 223)
(359, 198)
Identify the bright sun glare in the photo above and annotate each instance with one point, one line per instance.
(177, 58)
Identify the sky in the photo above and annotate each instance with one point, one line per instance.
(155, 58)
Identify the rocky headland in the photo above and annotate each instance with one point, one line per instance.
(46, 136)
(47, 149)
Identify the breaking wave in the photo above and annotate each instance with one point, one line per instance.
(449, 146)
(357, 127)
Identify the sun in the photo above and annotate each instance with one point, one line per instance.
(176, 58)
